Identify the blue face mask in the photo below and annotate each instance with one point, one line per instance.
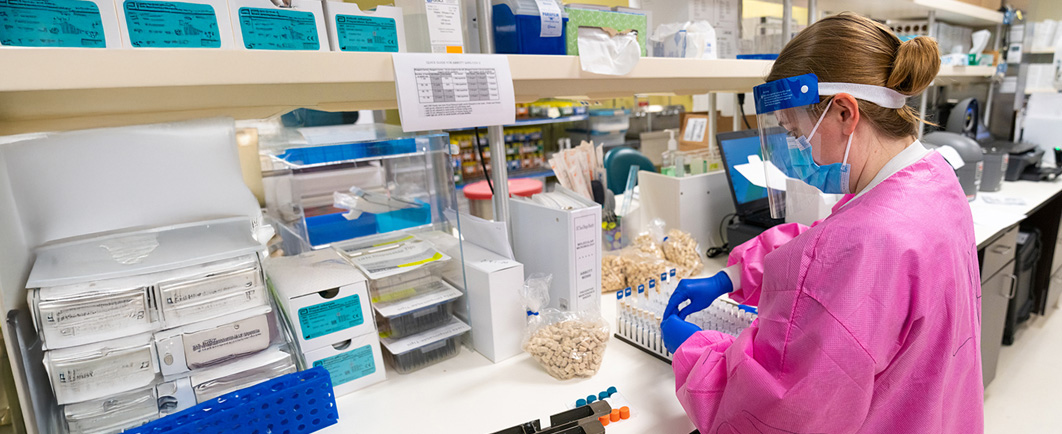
(831, 178)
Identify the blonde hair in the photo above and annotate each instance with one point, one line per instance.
(848, 48)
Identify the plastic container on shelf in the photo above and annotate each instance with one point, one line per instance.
(330, 184)
(609, 120)
(479, 196)
(411, 353)
(518, 28)
(430, 306)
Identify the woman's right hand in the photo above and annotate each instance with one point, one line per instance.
(700, 293)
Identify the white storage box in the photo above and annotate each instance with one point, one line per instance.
(564, 243)
(84, 24)
(216, 341)
(261, 25)
(351, 29)
(174, 24)
(353, 364)
(101, 369)
(323, 297)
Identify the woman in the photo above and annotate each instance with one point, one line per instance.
(869, 321)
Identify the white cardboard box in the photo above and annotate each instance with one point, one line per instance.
(564, 243)
(324, 298)
(351, 29)
(32, 21)
(353, 364)
(695, 204)
(174, 24)
(261, 25)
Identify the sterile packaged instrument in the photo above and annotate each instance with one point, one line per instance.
(215, 341)
(102, 369)
(424, 349)
(112, 414)
(430, 306)
(211, 290)
(292, 25)
(79, 24)
(352, 29)
(353, 364)
(246, 372)
(78, 314)
(170, 24)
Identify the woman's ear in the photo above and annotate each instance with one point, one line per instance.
(848, 111)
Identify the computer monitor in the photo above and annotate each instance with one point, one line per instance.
(735, 148)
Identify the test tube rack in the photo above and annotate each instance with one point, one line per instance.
(640, 311)
(579, 420)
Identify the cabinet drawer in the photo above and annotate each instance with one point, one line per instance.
(999, 254)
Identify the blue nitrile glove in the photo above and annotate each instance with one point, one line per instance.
(675, 331)
(700, 292)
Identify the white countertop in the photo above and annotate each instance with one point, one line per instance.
(469, 394)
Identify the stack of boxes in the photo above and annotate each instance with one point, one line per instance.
(414, 306)
(325, 300)
(138, 325)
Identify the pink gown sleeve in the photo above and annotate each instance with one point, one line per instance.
(750, 256)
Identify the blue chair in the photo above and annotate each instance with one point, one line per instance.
(618, 162)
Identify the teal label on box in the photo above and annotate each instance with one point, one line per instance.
(350, 365)
(278, 29)
(325, 318)
(51, 23)
(171, 24)
(358, 33)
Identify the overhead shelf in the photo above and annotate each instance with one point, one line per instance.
(963, 74)
(951, 11)
(63, 89)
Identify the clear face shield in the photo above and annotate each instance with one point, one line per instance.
(789, 122)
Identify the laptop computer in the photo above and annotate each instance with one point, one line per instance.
(750, 200)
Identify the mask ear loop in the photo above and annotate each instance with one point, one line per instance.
(821, 117)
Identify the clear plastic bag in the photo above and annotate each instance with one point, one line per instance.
(566, 344)
(640, 267)
(612, 273)
(649, 240)
(680, 248)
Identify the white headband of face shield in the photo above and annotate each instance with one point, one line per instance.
(881, 96)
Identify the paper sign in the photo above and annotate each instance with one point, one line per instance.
(695, 129)
(444, 26)
(550, 16)
(438, 91)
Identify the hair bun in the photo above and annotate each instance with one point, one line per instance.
(916, 66)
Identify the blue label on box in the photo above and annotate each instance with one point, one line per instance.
(171, 24)
(330, 317)
(350, 365)
(278, 29)
(51, 23)
(358, 33)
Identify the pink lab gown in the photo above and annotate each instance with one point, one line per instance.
(869, 321)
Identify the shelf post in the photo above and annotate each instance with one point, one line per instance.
(737, 113)
(992, 81)
(713, 124)
(787, 16)
(924, 103)
(499, 168)
(813, 11)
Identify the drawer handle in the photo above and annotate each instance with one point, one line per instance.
(1002, 250)
(1013, 287)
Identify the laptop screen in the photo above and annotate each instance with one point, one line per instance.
(736, 148)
